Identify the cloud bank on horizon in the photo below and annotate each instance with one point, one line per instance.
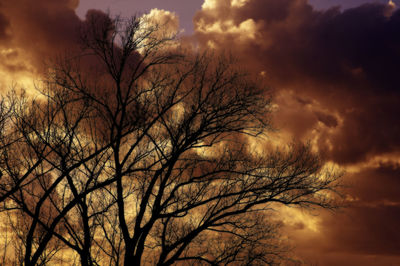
(335, 76)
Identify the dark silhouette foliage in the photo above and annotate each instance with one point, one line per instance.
(138, 153)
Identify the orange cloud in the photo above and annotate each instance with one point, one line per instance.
(334, 76)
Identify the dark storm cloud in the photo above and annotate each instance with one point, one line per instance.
(335, 76)
(334, 72)
(364, 40)
(34, 31)
(370, 224)
(364, 233)
(371, 128)
(358, 46)
(4, 24)
(348, 61)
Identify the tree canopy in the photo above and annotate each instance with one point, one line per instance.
(139, 152)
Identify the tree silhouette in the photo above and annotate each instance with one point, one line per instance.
(138, 153)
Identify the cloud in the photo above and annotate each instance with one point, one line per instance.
(365, 232)
(345, 61)
(169, 21)
(30, 33)
(41, 27)
(4, 24)
(296, 41)
(335, 78)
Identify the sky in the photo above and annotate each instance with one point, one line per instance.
(333, 66)
(187, 8)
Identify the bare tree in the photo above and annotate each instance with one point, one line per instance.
(46, 168)
(140, 154)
